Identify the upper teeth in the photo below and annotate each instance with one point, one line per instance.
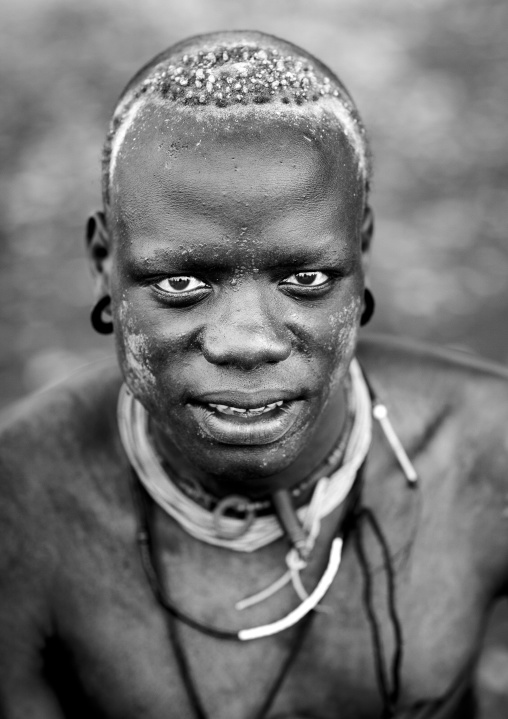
(226, 409)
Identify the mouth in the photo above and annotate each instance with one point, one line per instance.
(247, 425)
(245, 412)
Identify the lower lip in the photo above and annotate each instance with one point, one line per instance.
(234, 429)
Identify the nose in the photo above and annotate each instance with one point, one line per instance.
(246, 333)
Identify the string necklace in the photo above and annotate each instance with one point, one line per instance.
(350, 518)
(146, 544)
(232, 532)
(173, 613)
(328, 494)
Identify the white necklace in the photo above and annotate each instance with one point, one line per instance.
(199, 522)
(329, 493)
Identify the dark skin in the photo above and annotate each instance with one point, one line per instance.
(201, 213)
(78, 620)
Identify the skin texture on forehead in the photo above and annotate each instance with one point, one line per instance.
(316, 121)
(185, 147)
(218, 76)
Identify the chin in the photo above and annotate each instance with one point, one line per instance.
(250, 464)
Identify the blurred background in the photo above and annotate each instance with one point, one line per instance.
(431, 81)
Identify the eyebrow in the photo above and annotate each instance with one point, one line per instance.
(280, 259)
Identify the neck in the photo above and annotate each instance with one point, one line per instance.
(324, 438)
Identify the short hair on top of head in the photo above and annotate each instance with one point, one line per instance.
(221, 72)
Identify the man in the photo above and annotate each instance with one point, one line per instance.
(294, 559)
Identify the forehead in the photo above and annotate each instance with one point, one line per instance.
(259, 165)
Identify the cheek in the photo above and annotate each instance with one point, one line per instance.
(343, 327)
(134, 355)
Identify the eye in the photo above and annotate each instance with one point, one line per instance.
(180, 284)
(307, 279)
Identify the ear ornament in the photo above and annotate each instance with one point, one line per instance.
(98, 323)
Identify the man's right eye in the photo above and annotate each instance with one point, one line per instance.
(179, 284)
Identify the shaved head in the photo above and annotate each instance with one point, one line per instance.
(220, 76)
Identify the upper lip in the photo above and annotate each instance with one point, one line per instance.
(247, 400)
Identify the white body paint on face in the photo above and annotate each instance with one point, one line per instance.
(134, 355)
(344, 336)
(347, 319)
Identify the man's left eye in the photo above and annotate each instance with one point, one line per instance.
(307, 279)
(179, 284)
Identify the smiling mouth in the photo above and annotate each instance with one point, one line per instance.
(231, 424)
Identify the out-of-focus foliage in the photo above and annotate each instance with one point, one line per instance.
(431, 80)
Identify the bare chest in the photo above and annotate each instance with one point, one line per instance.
(424, 601)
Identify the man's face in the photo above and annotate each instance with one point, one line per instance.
(237, 284)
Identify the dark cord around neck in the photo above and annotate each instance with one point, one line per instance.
(388, 679)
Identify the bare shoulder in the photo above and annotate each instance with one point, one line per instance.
(450, 410)
(427, 388)
(59, 494)
(418, 379)
(51, 445)
(399, 360)
(59, 424)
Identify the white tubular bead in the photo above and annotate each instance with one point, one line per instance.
(267, 630)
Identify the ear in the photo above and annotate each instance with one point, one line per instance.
(98, 245)
(366, 235)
